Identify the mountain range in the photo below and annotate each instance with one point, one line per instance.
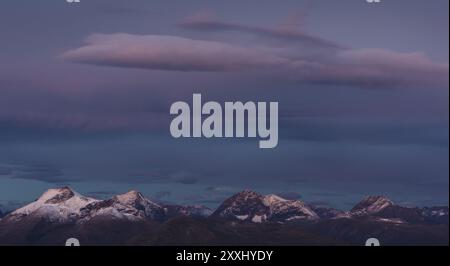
(246, 218)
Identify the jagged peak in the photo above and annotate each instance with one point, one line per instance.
(243, 197)
(132, 194)
(373, 204)
(271, 199)
(130, 197)
(377, 198)
(56, 195)
(247, 193)
(134, 197)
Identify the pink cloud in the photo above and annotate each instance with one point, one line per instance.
(354, 67)
(168, 53)
(377, 67)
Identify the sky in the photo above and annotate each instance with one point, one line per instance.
(86, 89)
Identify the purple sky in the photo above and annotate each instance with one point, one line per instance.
(363, 92)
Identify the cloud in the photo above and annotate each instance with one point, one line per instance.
(221, 189)
(317, 60)
(367, 68)
(187, 180)
(183, 177)
(5, 170)
(162, 194)
(168, 53)
(41, 172)
(207, 22)
(378, 67)
(433, 134)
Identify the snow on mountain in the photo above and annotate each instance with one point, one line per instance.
(435, 211)
(63, 205)
(131, 205)
(371, 205)
(288, 210)
(136, 200)
(243, 206)
(272, 199)
(382, 209)
(57, 205)
(251, 206)
(436, 215)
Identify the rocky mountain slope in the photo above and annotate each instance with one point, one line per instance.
(383, 209)
(251, 206)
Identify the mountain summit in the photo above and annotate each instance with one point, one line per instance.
(56, 205)
(251, 206)
(380, 207)
(131, 205)
(371, 205)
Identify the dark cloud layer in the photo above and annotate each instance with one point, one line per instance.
(42, 172)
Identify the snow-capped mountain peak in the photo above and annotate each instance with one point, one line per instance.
(56, 195)
(247, 195)
(131, 205)
(371, 205)
(130, 196)
(288, 210)
(135, 198)
(245, 205)
(60, 204)
(63, 205)
(251, 206)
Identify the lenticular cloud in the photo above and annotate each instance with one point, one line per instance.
(375, 68)
(169, 53)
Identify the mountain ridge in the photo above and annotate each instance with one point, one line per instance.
(244, 218)
(64, 204)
